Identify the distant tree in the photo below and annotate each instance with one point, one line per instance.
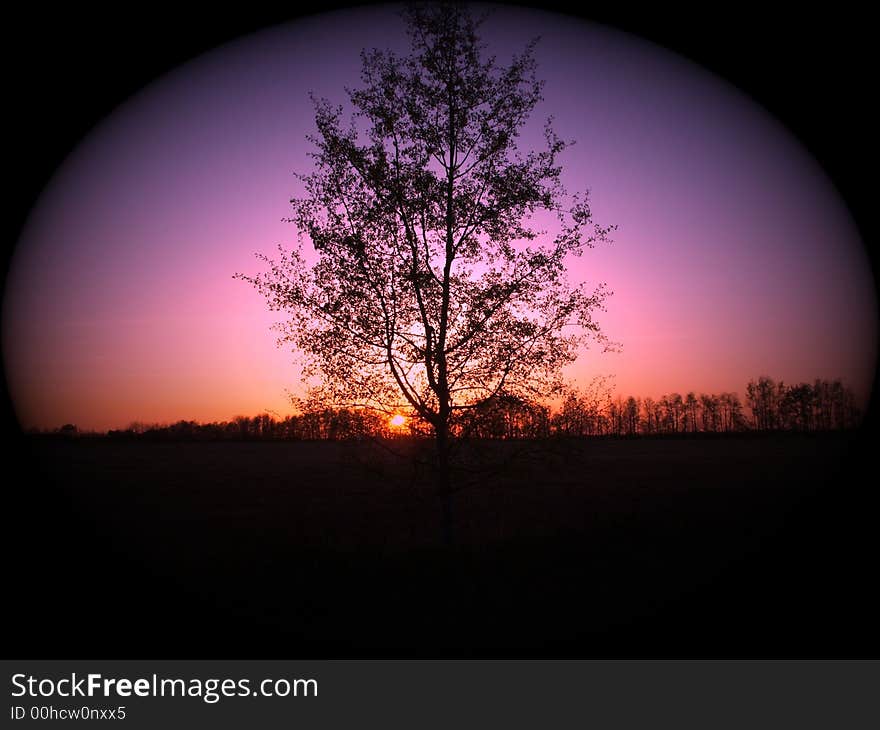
(672, 407)
(709, 412)
(631, 416)
(823, 406)
(763, 400)
(616, 416)
(827, 401)
(676, 403)
(691, 408)
(648, 425)
(797, 408)
(505, 417)
(434, 288)
(572, 420)
(730, 412)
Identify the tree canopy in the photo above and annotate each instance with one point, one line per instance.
(433, 287)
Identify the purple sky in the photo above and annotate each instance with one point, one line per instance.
(734, 255)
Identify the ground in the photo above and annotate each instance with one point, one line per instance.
(734, 546)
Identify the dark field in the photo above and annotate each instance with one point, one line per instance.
(736, 546)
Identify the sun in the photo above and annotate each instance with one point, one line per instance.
(397, 420)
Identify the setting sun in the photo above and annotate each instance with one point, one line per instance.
(397, 420)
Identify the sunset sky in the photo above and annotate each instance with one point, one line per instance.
(734, 256)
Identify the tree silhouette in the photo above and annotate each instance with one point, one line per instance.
(433, 288)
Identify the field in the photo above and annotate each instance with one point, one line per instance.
(736, 546)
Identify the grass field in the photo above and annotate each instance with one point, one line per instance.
(683, 547)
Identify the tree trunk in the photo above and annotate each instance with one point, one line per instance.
(444, 485)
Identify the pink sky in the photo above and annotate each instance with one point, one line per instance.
(734, 256)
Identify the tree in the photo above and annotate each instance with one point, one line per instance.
(691, 406)
(433, 288)
(763, 400)
(631, 414)
(710, 407)
(650, 420)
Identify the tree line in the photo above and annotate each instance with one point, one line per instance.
(769, 406)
